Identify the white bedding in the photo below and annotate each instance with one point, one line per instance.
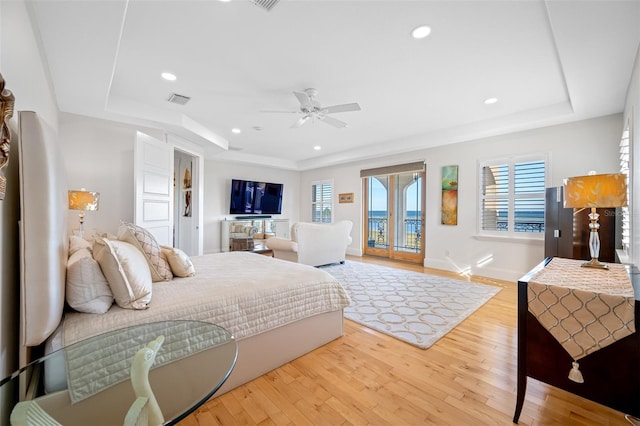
(244, 293)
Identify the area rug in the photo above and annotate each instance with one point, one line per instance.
(413, 307)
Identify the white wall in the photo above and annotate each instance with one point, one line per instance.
(573, 149)
(217, 184)
(26, 76)
(98, 156)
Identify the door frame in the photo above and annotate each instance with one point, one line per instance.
(197, 193)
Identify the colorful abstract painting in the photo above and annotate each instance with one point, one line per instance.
(449, 213)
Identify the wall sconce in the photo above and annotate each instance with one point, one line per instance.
(83, 200)
(595, 191)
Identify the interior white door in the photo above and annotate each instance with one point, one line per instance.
(153, 174)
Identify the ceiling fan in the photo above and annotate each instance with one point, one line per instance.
(311, 109)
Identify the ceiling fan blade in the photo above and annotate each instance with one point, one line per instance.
(305, 101)
(332, 121)
(279, 112)
(300, 122)
(341, 108)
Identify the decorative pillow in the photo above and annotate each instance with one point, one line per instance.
(87, 289)
(126, 271)
(180, 263)
(91, 235)
(144, 241)
(76, 243)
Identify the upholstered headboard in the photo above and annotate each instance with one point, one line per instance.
(43, 229)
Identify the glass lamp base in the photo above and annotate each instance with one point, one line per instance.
(594, 263)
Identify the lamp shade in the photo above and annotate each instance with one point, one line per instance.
(606, 190)
(83, 200)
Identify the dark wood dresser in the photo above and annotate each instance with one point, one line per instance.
(612, 374)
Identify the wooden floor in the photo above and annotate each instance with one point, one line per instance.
(367, 378)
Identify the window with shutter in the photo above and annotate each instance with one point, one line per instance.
(625, 155)
(512, 195)
(322, 202)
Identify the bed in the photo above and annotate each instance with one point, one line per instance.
(250, 295)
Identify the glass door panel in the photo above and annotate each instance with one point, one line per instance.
(377, 215)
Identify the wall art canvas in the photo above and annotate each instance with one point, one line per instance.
(449, 212)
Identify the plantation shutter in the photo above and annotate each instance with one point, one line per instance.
(495, 198)
(321, 202)
(512, 196)
(529, 193)
(624, 168)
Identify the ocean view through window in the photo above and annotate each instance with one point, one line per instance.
(512, 196)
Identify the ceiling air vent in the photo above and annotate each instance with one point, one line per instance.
(178, 99)
(265, 4)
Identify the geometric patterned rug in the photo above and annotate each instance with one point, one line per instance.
(411, 306)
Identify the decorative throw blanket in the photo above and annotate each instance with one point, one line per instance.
(585, 309)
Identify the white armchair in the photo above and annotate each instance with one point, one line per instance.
(313, 244)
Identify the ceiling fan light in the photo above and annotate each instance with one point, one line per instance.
(421, 32)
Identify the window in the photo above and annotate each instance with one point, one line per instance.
(624, 168)
(512, 196)
(322, 202)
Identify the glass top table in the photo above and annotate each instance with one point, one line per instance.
(179, 364)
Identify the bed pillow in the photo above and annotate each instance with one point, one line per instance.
(87, 290)
(179, 261)
(76, 243)
(147, 244)
(127, 272)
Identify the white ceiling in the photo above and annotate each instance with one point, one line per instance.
(547, 62)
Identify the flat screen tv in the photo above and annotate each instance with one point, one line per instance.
(252, 197)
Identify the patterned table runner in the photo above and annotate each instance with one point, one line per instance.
(585, 309)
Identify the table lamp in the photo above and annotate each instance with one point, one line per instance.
(83, 200)
(595, 191)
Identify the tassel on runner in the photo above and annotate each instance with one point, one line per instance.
(575, 374)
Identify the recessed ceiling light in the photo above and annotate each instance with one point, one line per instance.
(317, 147)
(224, 1)
(168, 76)
(421, 32)
(490, 101)
(236, 131)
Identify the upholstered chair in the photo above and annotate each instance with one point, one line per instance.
(314, 244)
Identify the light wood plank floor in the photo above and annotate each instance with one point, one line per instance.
(367, 378)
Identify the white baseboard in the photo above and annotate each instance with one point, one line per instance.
(487, 271)
(354, 252)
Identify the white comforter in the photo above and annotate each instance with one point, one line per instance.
(243, 292)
